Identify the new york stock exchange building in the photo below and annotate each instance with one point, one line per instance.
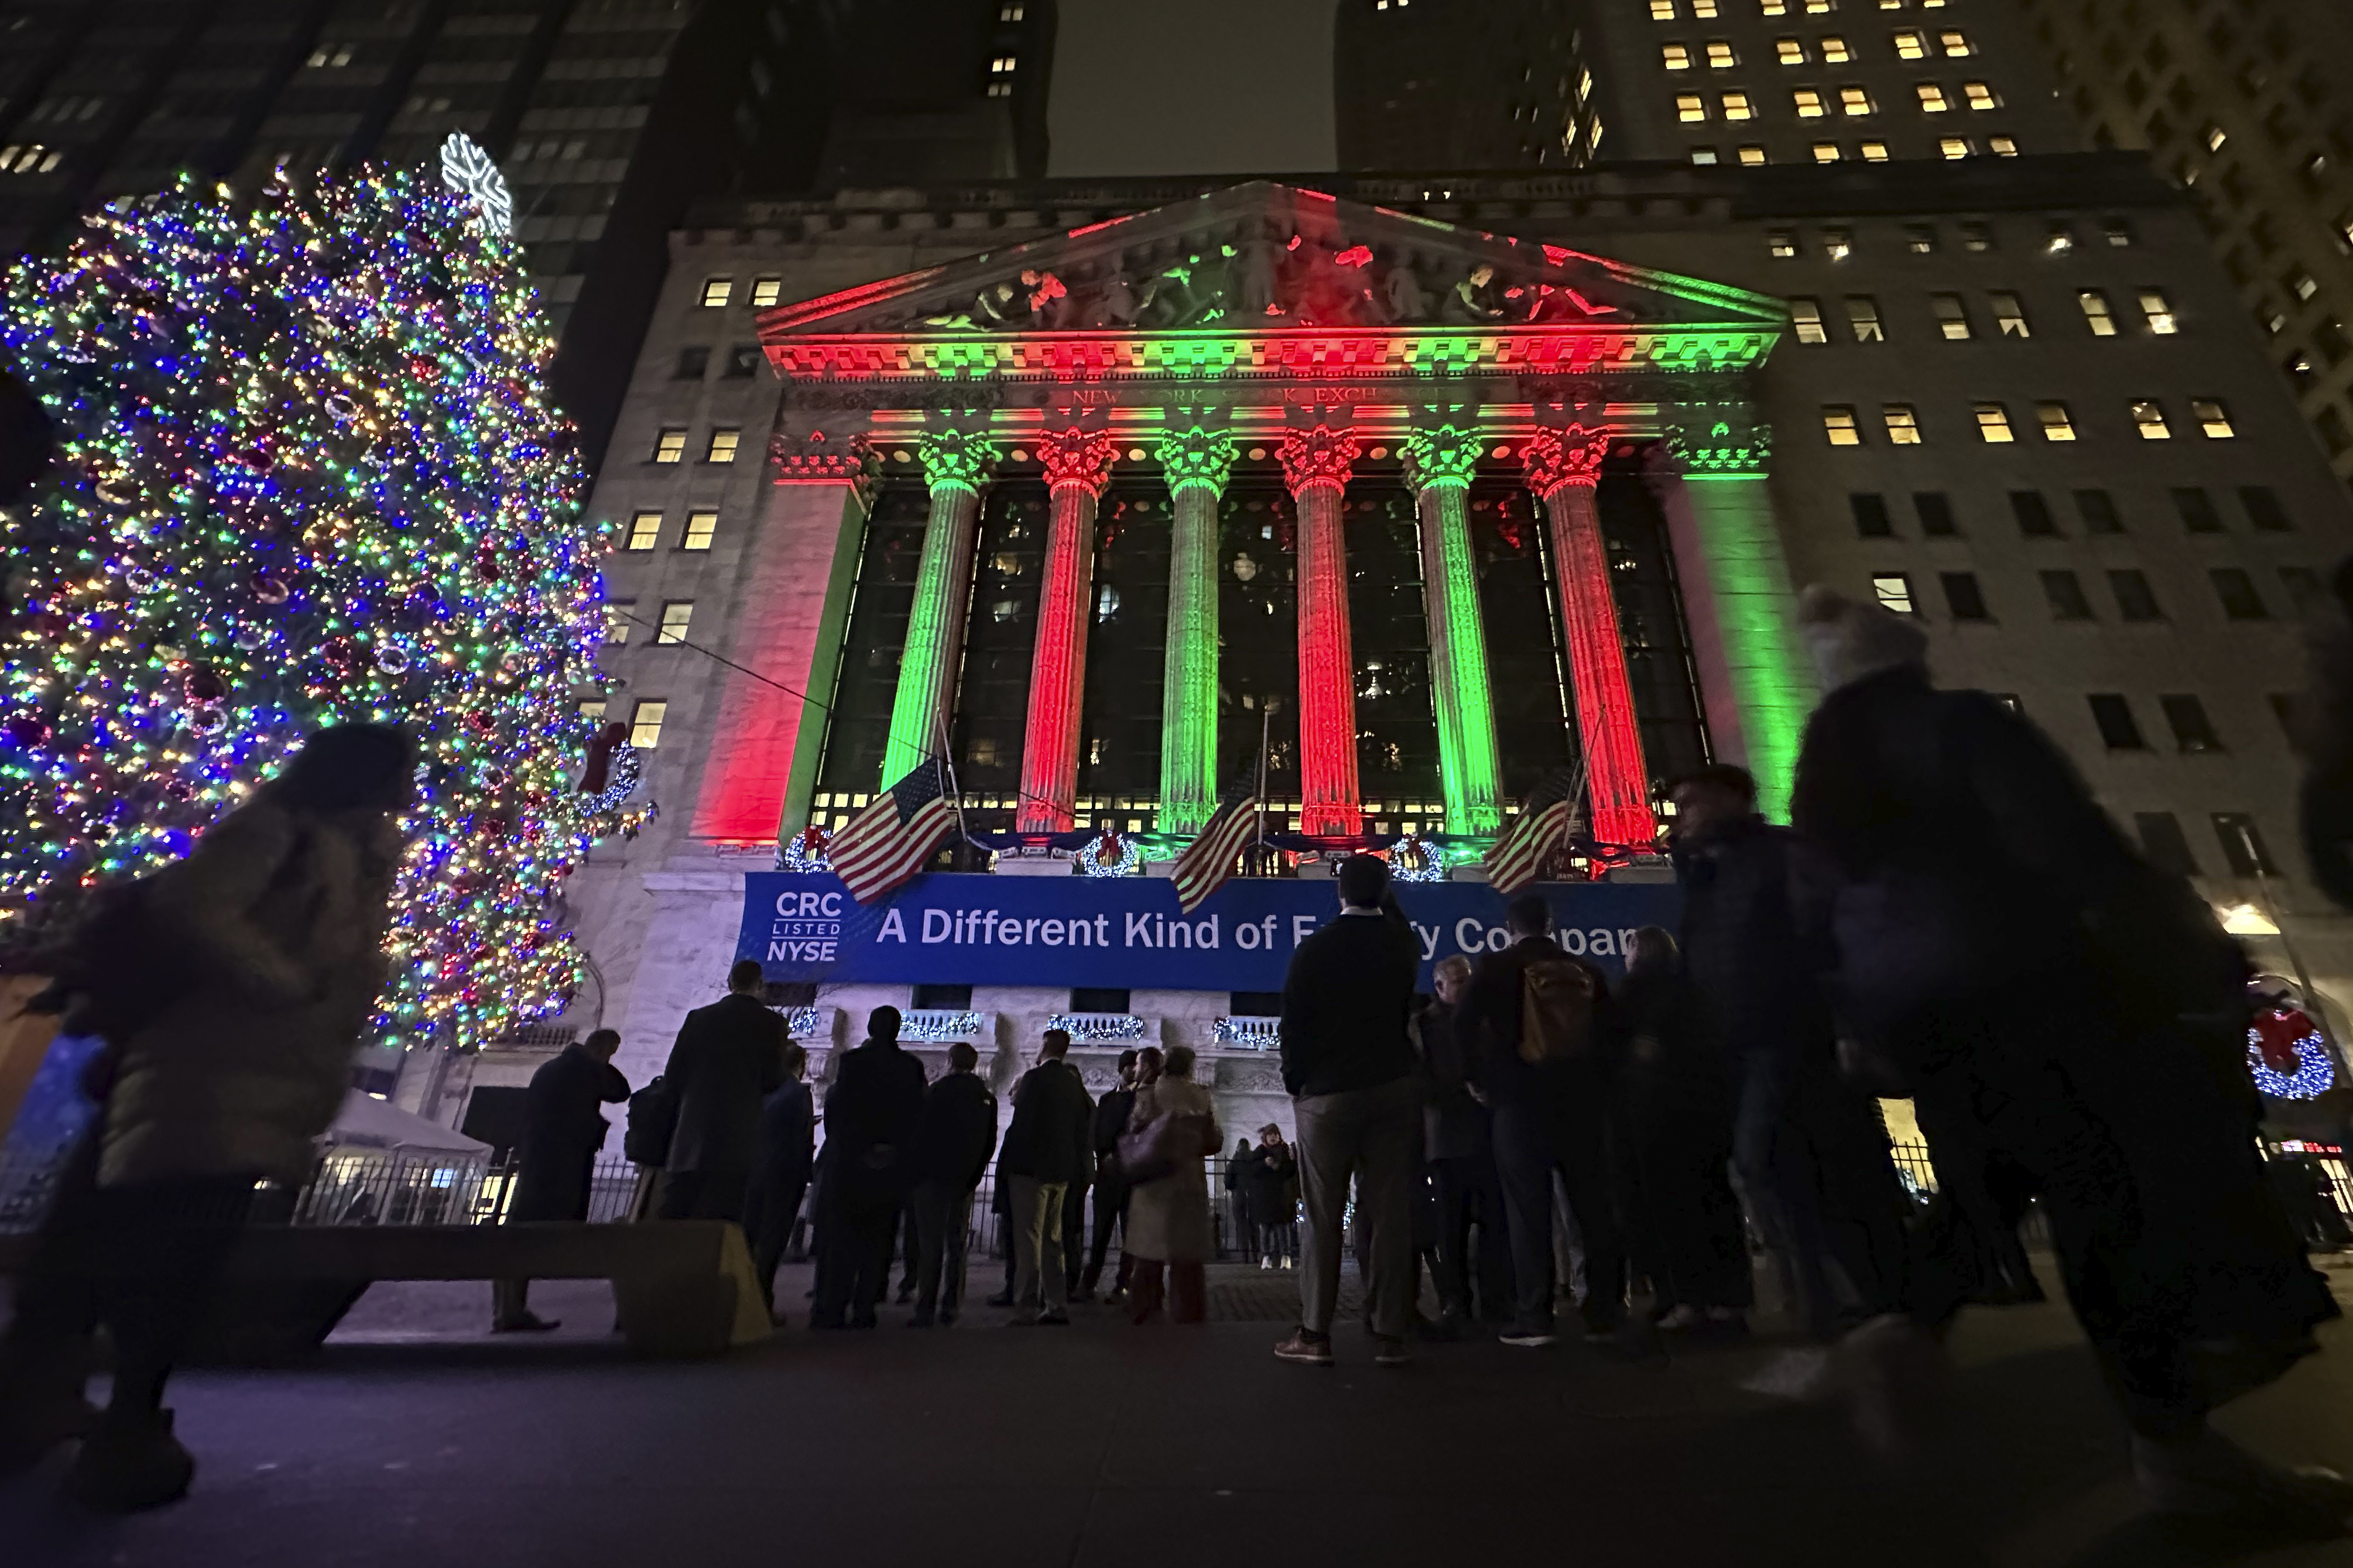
(1411, 494)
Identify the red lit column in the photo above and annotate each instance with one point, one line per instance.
(1078, 465)
(1315, 463)
(1563, 467)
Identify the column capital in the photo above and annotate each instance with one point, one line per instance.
(956, 459)
(1318, 457)
(1078, 457)
(816, 458)
(1717, 440)
(1196, 455)
(1557, 458)
(1441, 455)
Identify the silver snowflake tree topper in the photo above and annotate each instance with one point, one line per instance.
(467, 169)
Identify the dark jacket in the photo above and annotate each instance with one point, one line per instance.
(1752, 969)
(787, 1143)
(562, 1128)
(872, 1114)
(1049, 1138)
(1112, 1112)
(729, 1057)
(958, 1131)
(1672, 1079)
(1490, 1019)
(1454, 1125)
(1267, 1176)
(1345, 1005)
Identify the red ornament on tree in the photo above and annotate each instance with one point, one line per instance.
(2276, 1031)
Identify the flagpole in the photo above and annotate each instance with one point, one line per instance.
(956, 790)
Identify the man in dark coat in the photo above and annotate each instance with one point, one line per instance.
(730, 1056)
(564, 1125)
(1548, 1116)
(781, 1163)
(1110, 1188)
(1458, 1144)
(1045, 1154)
(871, 1115)
(952, 1149)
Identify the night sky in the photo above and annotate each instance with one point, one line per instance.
(1207, 87)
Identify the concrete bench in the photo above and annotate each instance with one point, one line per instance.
(679, 1288)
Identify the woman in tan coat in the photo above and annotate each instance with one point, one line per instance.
(1168, 1226)
(249, 974)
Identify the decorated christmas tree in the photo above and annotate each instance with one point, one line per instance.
(306, 470)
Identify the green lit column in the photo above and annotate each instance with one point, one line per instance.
(956, 463)
(1756, 684)
(1197, 461)
(1439, 463)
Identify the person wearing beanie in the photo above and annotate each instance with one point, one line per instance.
(2003, 951)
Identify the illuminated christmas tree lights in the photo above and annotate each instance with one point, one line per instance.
(306, 471)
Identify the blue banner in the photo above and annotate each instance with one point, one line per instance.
(1127, 931)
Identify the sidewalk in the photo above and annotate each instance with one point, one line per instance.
(418, 1440)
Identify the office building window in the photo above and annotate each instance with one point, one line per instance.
(1976, 237)
(1920, 239)
(1809, 102)
(700, 527)
(1675, 56)
(2150, 420)
(1955, 44)
(677, 615)
(1806, 316)
(723, 442)
(1834, 51)
(1952, 318)
(669, 446)
(1690, 107)
(1826, 152)
(1662, 10)
(1875, 151)
(2197, 509)
(2135, 599)
(1963, 597)
(2118, 232)
(2034, 514)
(646, 723)
(1839, 424)
(1702, 156)
(691, 363)
(645, 530)
(1910, 45)
(2158, 312)
(1934, 510)
(1789, 52)
(1871, 519)
(2112, 716)
(2099, 510)
(768, 291)
(1854, 102)
(2009, 314)
(1932, 98)
(1993, 422)
(2096, 314)
(2263, 509)
(2185, 717)
(717, 292)
(2243, 845)
(2054, 421)
(1838, 243)
(1979, 95)
(1894, 592)
(1781, 244)
(617, 621)
(1863, 315)
(2213, 419)
(1720, 56)
(2237, 592)
(1903, 424)
(743, 360)
(2161, 839)
(1752, 157)
(1953, 147)
(2002, 146)
(591, 709)
(2064, 592)
(1704, 9)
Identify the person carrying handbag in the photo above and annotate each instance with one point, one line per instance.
(1170, 1236)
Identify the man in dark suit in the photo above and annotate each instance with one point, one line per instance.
(872, 1114)
(952, 1149)
(730, 1056)
(1110, 1188)
(1045, 1154)
(564, 1126)
(780, 1174)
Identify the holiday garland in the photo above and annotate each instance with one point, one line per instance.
(306, 471)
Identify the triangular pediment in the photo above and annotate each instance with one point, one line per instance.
(1262, 258)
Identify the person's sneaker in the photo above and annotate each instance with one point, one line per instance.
(1286, 1263)
(1265, 1263)
(1388, 1352)
(130, 1463)
(529, 1323)
(1528, 1339)
(1675, 1319)
(1308, 1350)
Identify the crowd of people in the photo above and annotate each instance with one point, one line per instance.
(1949, 918)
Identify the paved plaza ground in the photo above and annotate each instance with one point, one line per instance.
(417, 1440)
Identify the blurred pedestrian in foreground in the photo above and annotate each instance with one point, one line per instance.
(783, 1157)
(730, 1056)
(564, 1125)
(2095, 1033)
(230, 1024)
(1168, 1213)
(952, 1149)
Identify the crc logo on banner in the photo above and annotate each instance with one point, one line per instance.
(1128, 933)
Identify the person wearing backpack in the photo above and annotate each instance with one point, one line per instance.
(1540, 1046)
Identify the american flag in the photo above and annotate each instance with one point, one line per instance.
(1520, 852)
(887, 843)
(1204, 867)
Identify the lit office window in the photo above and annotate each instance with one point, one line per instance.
(1920, 239)
(1863, 315)
(669, 447)
(1736, 107)
(1772, 7)
(767, 291)
(1854, 102)
(2158, 312)
(1720, 56)
(723, 442)
(645, 530)
(1994, 423)
(2148, 418)
(1809, 102)
(617, 621)
(1781, 244)
(1952, 316)
(1789, 52)
(2009, 314)
(1875, 151)
(2214, 136)
(1955, 44)
(1704, 9)
(1806, 315)
(1953, 147)
(1894, 592)
(1826, 152)
(1979, 95)
(1839, 424)
(1834, 50)
(1932, 98)
(2059, 241)
(1838, 243)
(1702, 156)
(1752, 157)
(1675, 56)
(717, 292)
(1662, 10)
(591, 709)
(2213, 419)
(2096, 314)
(1902, 422)
(2002, 146)
(2057, 425)
(678, 615)
(1690, 107)
(1911, 46)
(700, 527)
(646, 723)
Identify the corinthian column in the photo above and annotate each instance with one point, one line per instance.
(1316, 463)
(1563, 467)
(1196, 462)
(1078, 465)
(956, 463)
(1438, 464)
